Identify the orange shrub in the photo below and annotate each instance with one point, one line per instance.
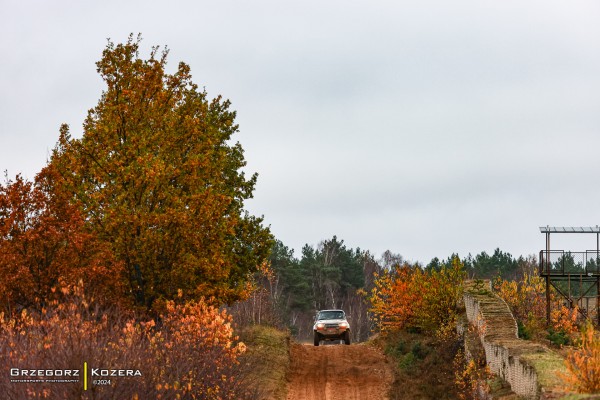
(471, 377)
(583, 364)
(408, 297)
(564, 319)
(441, 290)
(189, 353)
(396, 297)
(527, 301)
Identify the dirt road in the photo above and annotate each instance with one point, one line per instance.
(356, 372)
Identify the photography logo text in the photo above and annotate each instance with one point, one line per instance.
(18, 375)
(87, 375)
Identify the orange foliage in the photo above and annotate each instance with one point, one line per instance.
(408, 297)
(471, 377)
(583, 364)
(472, 373)
(564, 319)
(190, 352)
(43, 243)
(395, 297)
(441, 292)
(527, 301)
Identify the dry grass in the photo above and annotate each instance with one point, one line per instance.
(265, 364)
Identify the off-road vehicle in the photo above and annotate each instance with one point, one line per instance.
(331, 325)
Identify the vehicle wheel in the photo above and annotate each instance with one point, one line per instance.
(347, 337)
(317, 339)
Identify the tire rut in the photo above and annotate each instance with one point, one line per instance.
(338, 372)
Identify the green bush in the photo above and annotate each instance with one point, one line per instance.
(559, 338)
(524, 331)
(396, 349)
(407, 361)
(419, 350)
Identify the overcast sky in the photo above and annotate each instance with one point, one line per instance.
(422, 127)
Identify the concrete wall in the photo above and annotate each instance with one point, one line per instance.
(530, 369)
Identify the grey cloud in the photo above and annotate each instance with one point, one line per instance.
(425, 128)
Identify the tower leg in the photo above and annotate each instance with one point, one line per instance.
(548, 300)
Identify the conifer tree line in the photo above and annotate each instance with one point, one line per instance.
(499, 264)
(328, 276)
(333, 275)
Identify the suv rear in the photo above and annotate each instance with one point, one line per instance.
(331, 325)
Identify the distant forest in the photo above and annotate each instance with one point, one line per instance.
(332, 275)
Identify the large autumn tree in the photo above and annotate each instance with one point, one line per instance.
(157, 176)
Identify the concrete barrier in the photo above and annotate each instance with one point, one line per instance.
(531, 369)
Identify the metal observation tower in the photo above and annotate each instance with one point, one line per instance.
(575, 275)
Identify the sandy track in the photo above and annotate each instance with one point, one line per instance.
(338, 372)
